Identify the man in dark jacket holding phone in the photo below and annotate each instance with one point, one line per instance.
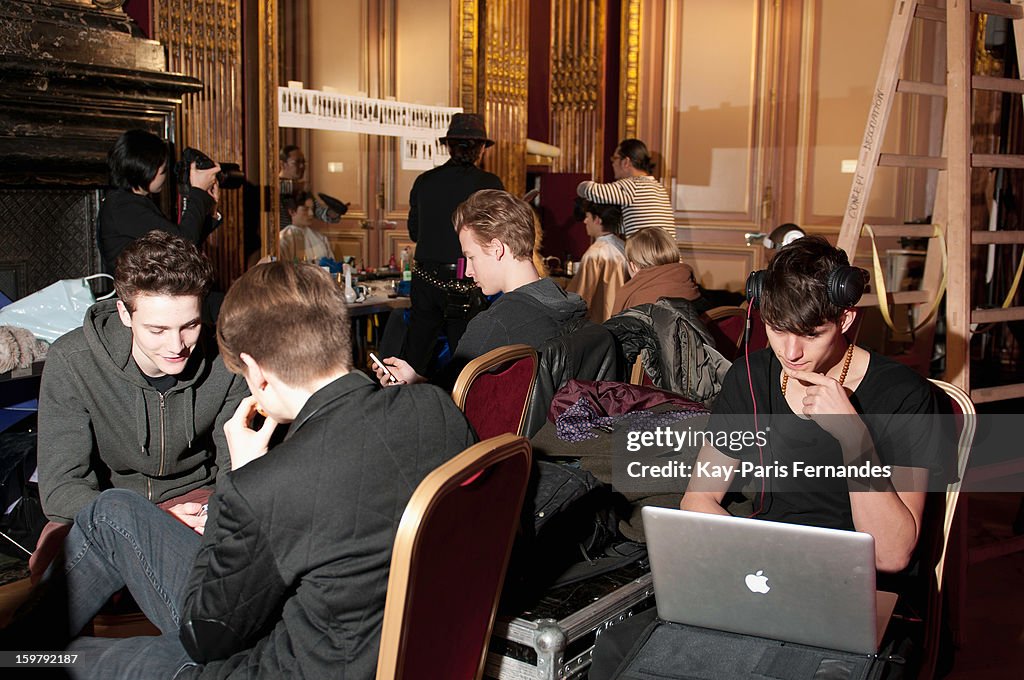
(290, 575)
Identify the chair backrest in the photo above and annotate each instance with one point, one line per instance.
(637, 375)
(726, 325)
(966, 424)
(449, 562)
(494, 389)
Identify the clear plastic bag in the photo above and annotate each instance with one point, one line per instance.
(53, 311)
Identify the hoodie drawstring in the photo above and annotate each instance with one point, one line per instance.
(142, 421)
(190, 415)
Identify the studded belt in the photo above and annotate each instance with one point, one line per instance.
(460, 285)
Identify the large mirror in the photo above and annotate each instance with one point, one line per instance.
(400, 50)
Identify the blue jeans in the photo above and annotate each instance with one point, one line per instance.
(122, 540)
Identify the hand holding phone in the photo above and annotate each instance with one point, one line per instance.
(385, 369)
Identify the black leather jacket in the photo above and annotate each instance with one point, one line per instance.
(584, 350)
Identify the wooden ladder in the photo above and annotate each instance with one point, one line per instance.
(951, 212)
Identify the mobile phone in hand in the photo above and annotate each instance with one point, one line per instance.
(387, 371)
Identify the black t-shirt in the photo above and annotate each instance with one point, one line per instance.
(798, 460)
(161, 384)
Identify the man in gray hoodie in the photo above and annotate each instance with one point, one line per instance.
(137, 398)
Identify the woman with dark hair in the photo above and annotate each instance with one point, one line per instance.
(643, 199)
(138, 168)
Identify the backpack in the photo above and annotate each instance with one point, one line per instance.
(19, 495)
(568, 516)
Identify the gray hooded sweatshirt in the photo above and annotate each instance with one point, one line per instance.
(531, 314)
(102, 425)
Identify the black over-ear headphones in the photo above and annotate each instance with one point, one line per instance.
(845, 285)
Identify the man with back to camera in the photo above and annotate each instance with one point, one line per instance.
(138, 169)
(290, 577)
(602, 270)
(496, 233)
(438, 294)
(821, 401)
(643, 199)
(137, 398)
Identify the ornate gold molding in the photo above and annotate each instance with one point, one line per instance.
(577, 84)
(629, 75)
(985, 62)
(268, 132)
(469, 41)
(204, 40)
(504, 76)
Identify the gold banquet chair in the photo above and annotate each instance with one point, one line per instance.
(449, 562)
(494, 390)
(950, 581)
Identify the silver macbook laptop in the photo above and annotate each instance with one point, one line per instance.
(787, 582)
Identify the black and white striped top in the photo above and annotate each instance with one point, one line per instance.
(645, 203)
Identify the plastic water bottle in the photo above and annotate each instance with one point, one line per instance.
(350, 292)
(406, 265)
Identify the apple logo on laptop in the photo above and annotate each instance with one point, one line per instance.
(757, 583)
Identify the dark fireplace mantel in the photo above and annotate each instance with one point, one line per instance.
(73, 76)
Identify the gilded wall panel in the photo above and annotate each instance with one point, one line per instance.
(467, 52)
(337, 162)
(264, 156)
(629, 77)
(502, 82)
(577, 84)
(346, 244)
(722, 266)
(422, 68)
(204, 40)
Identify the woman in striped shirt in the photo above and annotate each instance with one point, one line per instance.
(644, 201)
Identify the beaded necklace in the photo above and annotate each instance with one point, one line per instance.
(842, 376)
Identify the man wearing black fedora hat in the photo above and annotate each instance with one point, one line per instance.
(441, 292)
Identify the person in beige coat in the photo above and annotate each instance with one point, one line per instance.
(602, 270)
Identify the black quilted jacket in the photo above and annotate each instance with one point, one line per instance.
(292, 574)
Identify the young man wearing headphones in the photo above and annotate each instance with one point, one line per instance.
(823, 462)
(823, 407)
